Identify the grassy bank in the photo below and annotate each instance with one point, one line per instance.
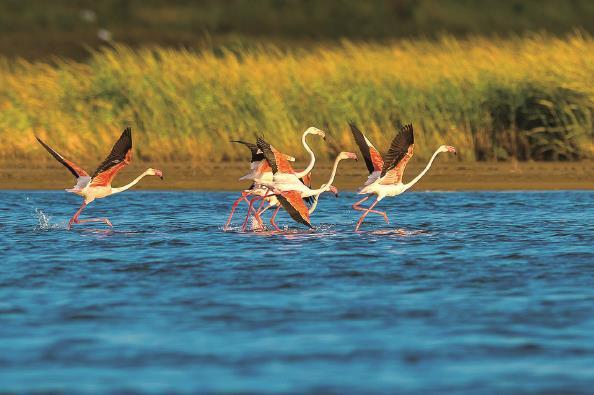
(525, 98)
(445, 175)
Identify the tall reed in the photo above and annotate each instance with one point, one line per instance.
(528, 98)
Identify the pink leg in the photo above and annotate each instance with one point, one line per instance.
(259, 211)
(258, 216)
(247, 217)
(365, 215)
(273, 217)
(75, 220)
(250, 209)
(357, 207)
(256, 212)
(242, 197)
(107, 221)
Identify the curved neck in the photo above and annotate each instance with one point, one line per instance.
(130, 185)
(326, 187)
(417, 178)
(312, 160)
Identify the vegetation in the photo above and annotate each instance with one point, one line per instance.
(527, 98)
(37, 29)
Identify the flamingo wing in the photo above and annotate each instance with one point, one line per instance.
(71, 166)
(400, 152)
(372, 157)
(295, 206)
(277, 161)
(118, 158)
(257, 154)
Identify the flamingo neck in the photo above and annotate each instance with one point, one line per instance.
(312, 160)
(326, 187)
(417, 178)
(131, 184)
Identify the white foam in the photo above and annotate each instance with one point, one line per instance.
(44, 222)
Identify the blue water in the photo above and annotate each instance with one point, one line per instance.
(461, 293)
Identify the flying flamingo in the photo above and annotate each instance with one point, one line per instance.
(99, 185)
(261, 172)
(385, 177)
(289, 190)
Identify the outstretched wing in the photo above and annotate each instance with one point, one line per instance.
(71, 166)
(278, 162)
(118, 158)
(295, 206)
(372, 157)
(257, 154)
(400, 152)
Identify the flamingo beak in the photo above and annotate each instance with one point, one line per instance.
(159, 174)
(351, 155)
(334, 190)
(452, 149)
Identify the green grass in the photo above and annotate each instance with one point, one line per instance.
(494, 99)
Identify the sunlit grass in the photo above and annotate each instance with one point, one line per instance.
(524, 98)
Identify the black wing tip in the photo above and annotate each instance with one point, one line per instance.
(261, 142)
(40, 141)
(354, 127)
(127, 133)
(408, 129)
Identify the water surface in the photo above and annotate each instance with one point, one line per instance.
(461, 293)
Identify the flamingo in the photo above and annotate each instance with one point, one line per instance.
(98, 185)
(261, 172)
(385, 177)
(287, 187)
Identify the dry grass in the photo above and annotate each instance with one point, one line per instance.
(524, 98)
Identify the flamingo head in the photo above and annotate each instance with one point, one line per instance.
(314, 130)
(333, 189)
(155, 172)
(447, 148)
(289, 158)
(347, 155)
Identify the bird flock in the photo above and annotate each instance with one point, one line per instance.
(275, 184)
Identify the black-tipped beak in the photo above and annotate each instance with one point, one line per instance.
(161, 177)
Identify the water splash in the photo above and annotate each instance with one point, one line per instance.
(44, 222)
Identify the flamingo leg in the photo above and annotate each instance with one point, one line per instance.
(75, 220)
(103, 219)
(264, 210)
(365, 215)
(273, 217)
(247, 217)
(357, 207)
(235, 204)
(250, 209)
(259, 211)
(258, 215)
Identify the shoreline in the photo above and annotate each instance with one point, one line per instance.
(444, 176)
